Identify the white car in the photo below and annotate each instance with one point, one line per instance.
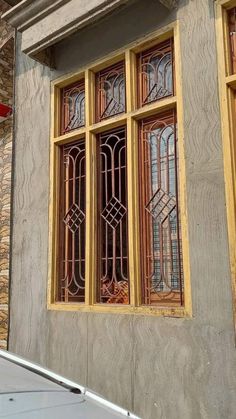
(28, 391)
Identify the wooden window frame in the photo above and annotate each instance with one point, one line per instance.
(227, 88)
(131, 119)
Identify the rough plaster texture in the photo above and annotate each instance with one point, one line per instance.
(161, 368)
(6, 95)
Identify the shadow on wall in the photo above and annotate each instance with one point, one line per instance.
(111, 33)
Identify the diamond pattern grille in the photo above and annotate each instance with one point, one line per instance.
(161, 205)
(113, 212)
(73, 218)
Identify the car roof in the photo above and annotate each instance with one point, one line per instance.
(15, 378)
(29, 391)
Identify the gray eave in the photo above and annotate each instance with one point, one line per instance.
(45, 22)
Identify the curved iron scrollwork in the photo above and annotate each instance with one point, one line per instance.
(161, 232)
(72, 223)
(110, 91)
(73, 107)
(113, 285)
(155, 70)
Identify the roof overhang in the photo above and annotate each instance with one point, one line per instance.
(45, 22)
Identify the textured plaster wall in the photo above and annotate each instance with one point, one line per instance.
(161, 368)
(6, 95)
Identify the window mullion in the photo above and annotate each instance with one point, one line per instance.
(89, 98)
(133, 212)
(131, 80)
(91, 220)
(132, 181)
(90, 153)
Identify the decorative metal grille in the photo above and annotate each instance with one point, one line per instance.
(155, 73)
(72, 224)
(73, 107)
(113, 284)
(162, 276)
(232, 35)
(110, 91)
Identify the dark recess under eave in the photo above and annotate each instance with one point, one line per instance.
(12, 2)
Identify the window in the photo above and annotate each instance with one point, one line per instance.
(72, 223)
(162, 276)
(110, 90)
(73, 107)
(156, 75)
(113, 283)
(117, 214)
(226, 44)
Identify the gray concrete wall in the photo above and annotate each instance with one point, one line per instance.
(6, 128)
(161, 368)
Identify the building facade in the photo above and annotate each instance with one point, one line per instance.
(6, 126)
(123, 218)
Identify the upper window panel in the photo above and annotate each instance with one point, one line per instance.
(155, 73)
(110, 91)
(232, 36)
(73, 107)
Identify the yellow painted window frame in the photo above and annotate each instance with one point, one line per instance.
(227, 83)
(89, 132)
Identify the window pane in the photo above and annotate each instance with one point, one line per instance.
(72, 223)
(113, 284)
(155, 73)
(73, 107)
(110, 91)
(162, 276)
(232, 35)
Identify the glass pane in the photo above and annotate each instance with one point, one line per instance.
(110, 91)
(162, 281)
(113, 284)
(232, 35)
(72, 223)
(155, 72)
(73, 107)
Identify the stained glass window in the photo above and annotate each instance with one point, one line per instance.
(110, 91)
(73, 107)
(113, 284)
(155, 73)
(162, 281)
(72, 223)
(232, 36)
